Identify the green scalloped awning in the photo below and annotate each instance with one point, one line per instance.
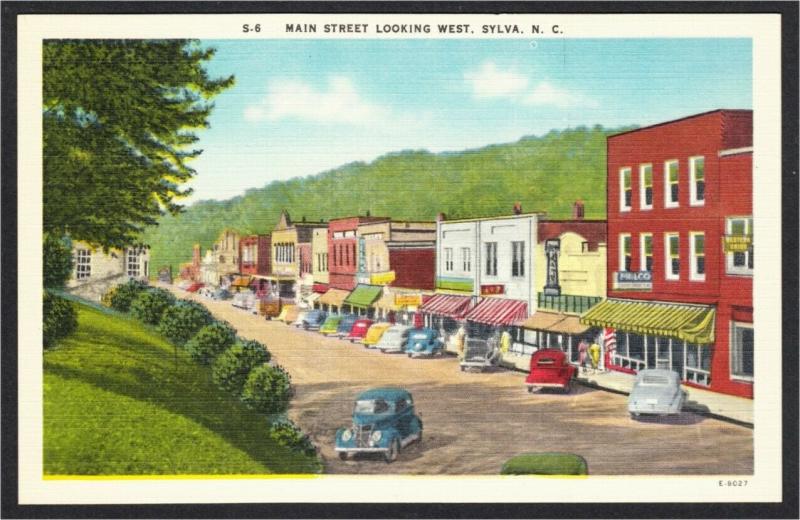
(363, 295)
(691, 323)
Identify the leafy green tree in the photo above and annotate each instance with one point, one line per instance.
(210, 341)
(57, 261)
(232, 367)
(149, 305)
(60, 319)
(268, 389)
(182, 321)
(119, 122)
(122, 295)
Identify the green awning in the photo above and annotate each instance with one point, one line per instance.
(363, 295)
(691, 323)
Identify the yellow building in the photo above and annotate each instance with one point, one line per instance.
(95, 271)
(319, 255)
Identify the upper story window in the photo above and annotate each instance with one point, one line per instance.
(646, 186)
(83, 264)
(624, 252)
(646, 256)
(518, 259)
(491, 258)
(625, 189)
(132, 264)
(740, 230)
(697, 181)
(466, 259)
(448, 258)
(671, 184)
(697, 252)
(672, 256)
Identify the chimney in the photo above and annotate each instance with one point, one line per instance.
(368, 214)
(304, 218)
(577, 210)
(517, 208)
(441, 217)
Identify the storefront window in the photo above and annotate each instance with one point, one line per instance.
(636, 344)
(742, 351)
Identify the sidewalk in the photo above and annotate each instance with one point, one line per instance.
(702, 401)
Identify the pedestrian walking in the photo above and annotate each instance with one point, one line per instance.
(594, 355)
(583, 354)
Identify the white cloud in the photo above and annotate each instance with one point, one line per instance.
(490, 82)
(547, 94)
(340, 102)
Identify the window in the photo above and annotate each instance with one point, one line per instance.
(671, 189)
(697, 244)
(625, 189)
(672, 269)
(740, 262)
(742, 351)
(517, 258)
(83, 264)
(132, 263)
(624, 252)
(646, 186)
(697, 186)
(491, 258)
(448, 258)
(466, 259)
(646, 256)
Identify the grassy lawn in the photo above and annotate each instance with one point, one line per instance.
(116, 403)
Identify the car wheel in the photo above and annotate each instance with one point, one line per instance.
(409, 354)
(530, 389)
(343, 455)
(635, 415)
(394, 450)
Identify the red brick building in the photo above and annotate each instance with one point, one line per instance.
(255, 259)
(343, 250)
(680, 256)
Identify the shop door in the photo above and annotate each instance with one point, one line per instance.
(662, 352)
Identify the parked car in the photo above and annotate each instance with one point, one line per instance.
(383, 422)
(424, 342)
(244, 300)
(331, 325)
(656, 391)
(184, 284)
(346, 325)
(196, 286)
(301, 316)
(374, 334)
(314, 319)
(394, 339)
(289, 313)
(359, 330)
(220, 294)
(479, 354)
(550, 368)
(206, 292)
(269, 307)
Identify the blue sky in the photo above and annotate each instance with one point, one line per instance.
(300, 107)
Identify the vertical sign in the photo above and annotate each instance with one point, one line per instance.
(552, 248)
(362, 255)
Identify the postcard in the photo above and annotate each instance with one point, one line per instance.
(464, 258)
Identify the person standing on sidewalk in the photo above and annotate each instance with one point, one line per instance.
(583, 348)
(594, 354)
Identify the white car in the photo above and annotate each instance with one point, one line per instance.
(394, 339)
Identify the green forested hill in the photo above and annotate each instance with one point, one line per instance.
(544, 173)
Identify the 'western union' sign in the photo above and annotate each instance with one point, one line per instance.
(737, 243)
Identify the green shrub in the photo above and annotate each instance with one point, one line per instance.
(59, 319)
(56, 261)
(210, 341)
(232, 367)
(267, 389)
(149, 306)
(120, 297)
(182, 321)
(545, 464)
(286, 433)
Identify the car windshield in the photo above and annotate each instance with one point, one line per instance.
(361, 325)
(420, 335)
(372, 406)
(655, 380)
(546, 362)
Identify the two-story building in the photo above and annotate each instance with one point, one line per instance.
(226, 249)
(319, 259)
(255, 259)
(94, 271)
(680, 250)
(291, 274)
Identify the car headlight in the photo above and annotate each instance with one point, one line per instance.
(376, 436)
(417, 347)
(347, 435)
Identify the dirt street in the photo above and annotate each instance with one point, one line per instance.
(474, 422)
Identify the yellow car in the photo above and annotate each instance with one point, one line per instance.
(374, 334)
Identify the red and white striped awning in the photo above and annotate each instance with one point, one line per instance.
(449, 305)
(499, 311)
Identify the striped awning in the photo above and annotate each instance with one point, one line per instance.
(334, 297)
(447, 305)
(554, 322)
(363, 296)
(498, 311)
(691, 323)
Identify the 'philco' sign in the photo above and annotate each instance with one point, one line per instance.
(634, 280)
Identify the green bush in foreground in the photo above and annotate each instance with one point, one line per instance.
(545, 464)
(210, 342)
(59, 319)
(149, 306)
(232, 367)
(267, 389)
(286, 433)
(121, 296)
(182, 321)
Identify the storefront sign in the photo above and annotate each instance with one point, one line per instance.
(382, 278)
(634, 280)
(410, 300)
(487, 290)
(454, 284)
(737, 243)
(362, 255)
(552, 249)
